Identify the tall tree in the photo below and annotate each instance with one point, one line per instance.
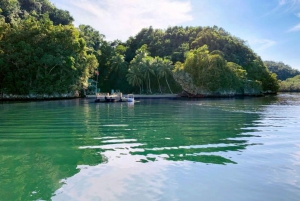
(135, 76)
(157, 63)
(165, 71)
(148, 70)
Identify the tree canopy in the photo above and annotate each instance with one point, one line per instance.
(42, 52)
(13, 11)
(282, 70)
(38, 57)
(223, 49)
(210, 73)
(145, 69)
(290, 84)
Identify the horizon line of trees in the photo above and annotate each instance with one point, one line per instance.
(290, 84)
(282, 70)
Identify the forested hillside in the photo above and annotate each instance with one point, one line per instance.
(175, 43)
(41, 52)
(282, 70)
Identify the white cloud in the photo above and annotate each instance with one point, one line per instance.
(295, 28)
(119, 19)
(282, 2)
(262, 44)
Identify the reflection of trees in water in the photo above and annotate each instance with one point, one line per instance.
(174, 132)
(39, 147)
(39, 152)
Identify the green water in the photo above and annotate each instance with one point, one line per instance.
(210, 149)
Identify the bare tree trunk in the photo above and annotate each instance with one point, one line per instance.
(149, 84)
(159, 85)
(168, 85)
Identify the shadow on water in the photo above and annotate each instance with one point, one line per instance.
(44, 143)
(39, 148)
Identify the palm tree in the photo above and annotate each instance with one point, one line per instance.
(140, 69)
(165, 70)
(135, 77)
(146, 65)
(156, 65)
(118, 62)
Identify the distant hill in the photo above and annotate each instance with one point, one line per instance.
(176, 42)
(282, 70)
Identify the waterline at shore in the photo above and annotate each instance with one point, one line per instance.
(145, 96)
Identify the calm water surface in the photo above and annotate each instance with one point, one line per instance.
(212, 149)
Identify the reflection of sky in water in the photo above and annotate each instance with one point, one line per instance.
(219, 149)
(260, 163)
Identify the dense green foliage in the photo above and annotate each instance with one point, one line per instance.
(211, 73)
(144, 68)
(290, 84)
(42, 52)
(36, 55)
(282, 70)
(13, 11)
(175, 43)
(112, 67)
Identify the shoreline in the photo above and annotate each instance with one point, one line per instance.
(35, 99)
(146, 96)
(136, 96)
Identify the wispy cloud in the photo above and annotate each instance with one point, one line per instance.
(119, 19)
(295, 28)
(282, 2)
(262, 44)
(286, 6)
(290, 6)
(288, 2)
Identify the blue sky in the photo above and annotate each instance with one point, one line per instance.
(271, 27)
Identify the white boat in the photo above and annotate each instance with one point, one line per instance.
(129, 98)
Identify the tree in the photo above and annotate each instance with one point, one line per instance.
(165, 71)
(157, 63)
(135, 76)
(211, 74)
(10, 10)
(146, 65)
(40, 58)
(141, 65)
(118, 63)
